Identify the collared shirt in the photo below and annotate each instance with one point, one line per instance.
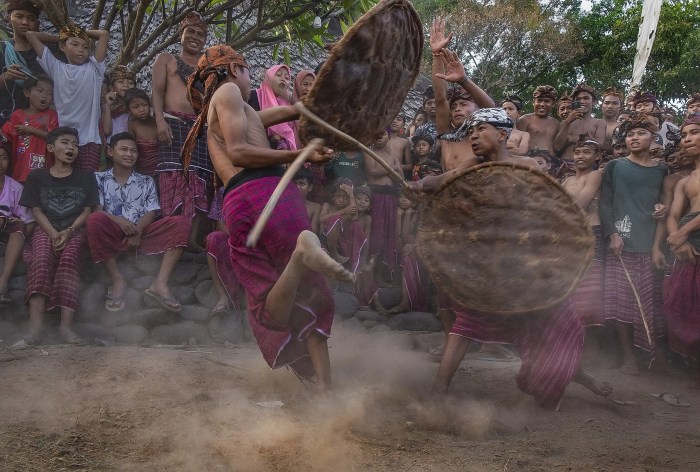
(132, 200)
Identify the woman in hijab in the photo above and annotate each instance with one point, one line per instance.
(274, 91)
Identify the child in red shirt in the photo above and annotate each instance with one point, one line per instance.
(27, 129)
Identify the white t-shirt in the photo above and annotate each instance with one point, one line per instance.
(76, 93)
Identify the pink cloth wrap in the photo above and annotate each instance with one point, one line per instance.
(258, 269)
(384, 238)
(351, 240)
(217, 248)
(106, 238)
(550, 345)
(682, 309)
(148, 157)
(416, 280)
(175, 192)
(268, 99)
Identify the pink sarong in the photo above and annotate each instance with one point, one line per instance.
(148, 157)
(178, 194)
(106, 238)
(588, 296)
(682, 309)
(217, 248)
(416, 280)
(384, 238)
(550, 346)
(351, 241)
(258, 269)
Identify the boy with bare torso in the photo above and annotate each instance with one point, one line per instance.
(580, 121)
(542, 127)
(611, 107)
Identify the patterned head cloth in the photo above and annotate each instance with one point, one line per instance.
(458, 93)
(72, 31)
(641, 97)
(364, 189)
(429, 167)
(614, 92)
(429, 94)
(122, 72)
(583, 87)
(539, 152)
(212, 69)
(493, 116)
(694, 98)
(422, 136)
(25, 5)
(637, 120)
(565, 97)
(692, 119)
(192, 19)
(545, 91)
(586, 141)
(515, 100)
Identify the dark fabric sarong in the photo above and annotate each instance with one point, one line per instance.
(588, 296)
(416, 280)
(106, 239)
(384, 238)
(621, 304)
(257, 269)
(550, 345)
(169, 157)
(682, 309)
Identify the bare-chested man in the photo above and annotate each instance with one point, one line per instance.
(542, 127)
(384, 238)
(564, 106)
(549, 342)
(519, 141)
(290, 306)
(191, 199)
(452, 113)
(611, 107)
(681, 308)
(584, 187)
(398, 145)
(580, 121)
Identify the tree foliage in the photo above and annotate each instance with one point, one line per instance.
(147, 27)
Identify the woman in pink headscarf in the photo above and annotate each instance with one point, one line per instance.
(274, 91)
(302, 84)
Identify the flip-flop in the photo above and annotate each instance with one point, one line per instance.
(219, 309)
(670, 398)
(25, 343)
(114, 304)
(165, 302)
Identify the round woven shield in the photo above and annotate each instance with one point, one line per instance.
(504, 239)
(362, 85)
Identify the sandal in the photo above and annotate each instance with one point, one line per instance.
(168, 303)
(218, 309)
(25, 343)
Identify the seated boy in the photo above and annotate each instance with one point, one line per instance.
(126, 219)
(143, 126)
(304, 180)
(15, 222)
(27, 129)
(61, 199)
(115, 116)
(78, 84)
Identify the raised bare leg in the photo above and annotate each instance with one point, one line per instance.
(317, 344)
(629, 361)
(307, 256)
(455, 350)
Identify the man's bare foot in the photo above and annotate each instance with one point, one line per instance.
(599, 388)
(402, 307)
(314, 258)
(630, 367)
(69, 336)
(378, 307)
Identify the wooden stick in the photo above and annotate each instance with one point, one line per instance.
(281, 186)
(639, 301)
(311, 116)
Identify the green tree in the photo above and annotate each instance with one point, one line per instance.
(147, 27)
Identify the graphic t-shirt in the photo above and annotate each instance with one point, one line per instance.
(62, 199)
(29, 151)
(628, 194)
(344, 167)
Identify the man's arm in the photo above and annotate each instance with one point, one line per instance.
(562, 138)
(406, 164)
(605, 210)
(102, 38)
(590, 189)
(159, 77)
(438, 41)
(600, 131)
(276, 115)
(37, 40)
(522, 123)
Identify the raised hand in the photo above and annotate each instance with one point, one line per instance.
(438, 40)
(454, 69)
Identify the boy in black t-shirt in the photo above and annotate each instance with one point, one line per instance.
(630, 215)
(61, 199)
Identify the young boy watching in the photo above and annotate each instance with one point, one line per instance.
(115, 116)
(77, 85)
(27, 129)
(143, 126)
(61, 199)
(422, 147)
(304, 180)
(15, 223)
(126, 219)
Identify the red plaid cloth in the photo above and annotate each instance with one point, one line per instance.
(56, 276)
(588, 297)
(259, 268)
(88, 157)
(106, 238)
(682, 309)
(175, 193)
(384, 237)
(416, 280)
(217, 248)
(620, 302)
(351, 241)
(216, 209)
(550, 346)
(148, 157)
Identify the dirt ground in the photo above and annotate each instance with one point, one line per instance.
(204, 408)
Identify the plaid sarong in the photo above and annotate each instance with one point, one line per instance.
(620, 302)
(148, 157)
(176, 193)
(416, 280)
(258, 269)
(351, 241)
(588, 296)
(88, 157)
(550, 346)
(384, 237)
(170, 157)
(56, 276)
(106, 238)
(682, 309)
(217, 248)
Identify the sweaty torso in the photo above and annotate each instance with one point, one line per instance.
(542, 131)
(175, 98)
(457, 155)
(692, 190)
(377, 175)
(574, 185)
(589, 126)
